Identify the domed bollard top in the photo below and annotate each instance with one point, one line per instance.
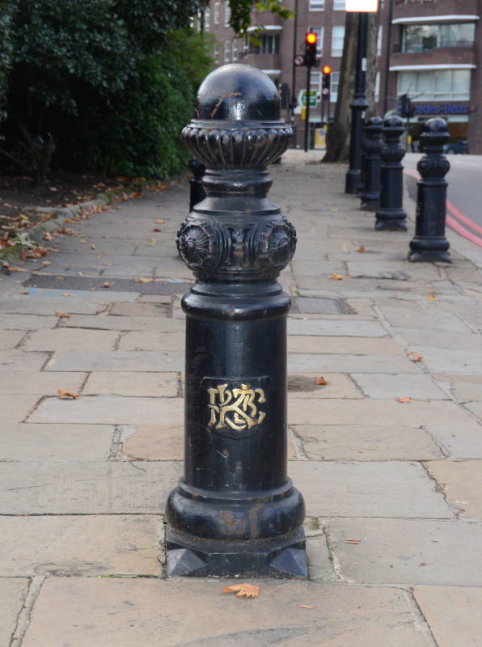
(429, 243)
(235, 511)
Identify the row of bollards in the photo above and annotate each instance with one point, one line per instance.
(383, 184)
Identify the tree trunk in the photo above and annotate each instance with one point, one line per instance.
(338, 135)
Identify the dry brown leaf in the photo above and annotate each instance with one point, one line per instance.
(106, 284)
(16, 269)
(405, 399)
(307, 606)
(413, 356)
(47, 236)
(63, 394)
(159, 221)
(337, 277)
(361, 249)
(66, 294)
(431, 297)
(351, 540)
(320, 381)
(62, 315)
(142, 279)
(243, 590)
(152, 241)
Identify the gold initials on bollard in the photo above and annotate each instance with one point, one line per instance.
(236, 408)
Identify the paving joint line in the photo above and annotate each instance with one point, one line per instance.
(25, 613)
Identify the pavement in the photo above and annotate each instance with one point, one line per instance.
(388, 454)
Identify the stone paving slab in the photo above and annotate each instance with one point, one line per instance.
(13, 592)
(367, 489)
(366, 268)
(454, 362)
(467, 387)
(335, 328)
(40, 382)
(20, 360)
(10, 338)
(71, 339)
(155, 443)
(110, 322)
(452, 613)
(148, 385)
(153, 341)
(446, 340)
(461, 483)
(408, 551)
(16, 407)
(390, 387)
(366, 442)
(81, 545)
(341, 345)
(337, 386)
(150, 361)
(121, 612)
(434, 318)
(317, 361)
(27, 322)
(86, 487)
(48, 302)
(109, 410)
(56, 442)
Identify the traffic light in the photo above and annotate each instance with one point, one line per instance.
(311, 40)
(325, 82)
(404, 106)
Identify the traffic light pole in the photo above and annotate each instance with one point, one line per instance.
(307, 112)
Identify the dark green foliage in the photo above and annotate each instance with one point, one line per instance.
(107, 81)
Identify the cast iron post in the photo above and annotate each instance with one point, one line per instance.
(196, 193)
(358, 106)
(235, 511)
(373, 143)
(429, 242)
(391, 215)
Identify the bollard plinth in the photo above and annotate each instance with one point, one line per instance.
(429, 243)
(196, 192)
(235, 511)
(372, 148)
(391, 216)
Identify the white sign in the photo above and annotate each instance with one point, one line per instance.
(361, 5)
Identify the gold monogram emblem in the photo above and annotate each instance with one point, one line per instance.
(236, 408)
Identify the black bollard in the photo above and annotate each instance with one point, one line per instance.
(196, 193)
(235, 511)
(372, 148)
(429, 242)
(391, 215)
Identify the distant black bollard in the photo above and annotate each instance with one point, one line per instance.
(391, 215)
(196, 193)
(429, 242)
(235, 511)
(372, 148)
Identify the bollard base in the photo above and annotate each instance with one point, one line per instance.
(429, 256)
(391, 221)
(281, 557)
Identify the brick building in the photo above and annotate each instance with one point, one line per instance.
(428, 49)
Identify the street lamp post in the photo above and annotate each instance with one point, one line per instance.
(359, 103)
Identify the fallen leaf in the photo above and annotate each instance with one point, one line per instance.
(62, 315)
(25, 292)
(337, 277)
(431, 297)
(307, 606)
(152, 241)
(47, 236)
(243, 590)
(66, 294)
(413, 356)
(361, 249)
(16, 269)
(106, 284)
(142, 279)
(63, 394)
(405, 399)
(320, 381)
(45, 263)
(159, 221)
(156, 229)
(350, 540)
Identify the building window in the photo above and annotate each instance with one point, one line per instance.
(376, 94)
(227, 51)
(335, 81)
(435, 85)
(235, 50)
(337, 38)
(315, 81)
(317, 5)
(245, 46)
(338, 5)
(207, 18)
(319, 43)
(269, 44)
(227, 13)
(423, 38)
(216, 53)
(216, 13)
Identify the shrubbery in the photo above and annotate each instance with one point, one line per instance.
(98, 85)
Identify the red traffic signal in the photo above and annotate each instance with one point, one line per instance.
(311, 40)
